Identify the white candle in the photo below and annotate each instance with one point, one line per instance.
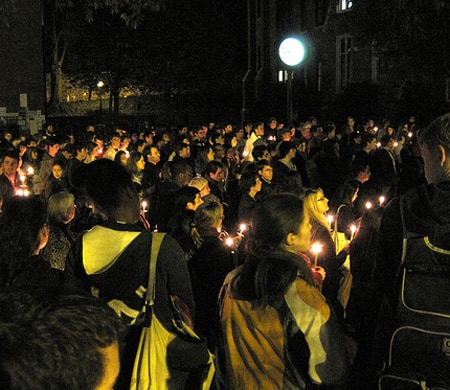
(316, 248)
(353, 230)
(330, 219)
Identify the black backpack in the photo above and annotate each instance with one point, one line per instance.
(419, 351)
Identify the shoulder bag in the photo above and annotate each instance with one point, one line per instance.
(169, 359)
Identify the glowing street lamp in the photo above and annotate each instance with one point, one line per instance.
(292, 53)
(100, 84)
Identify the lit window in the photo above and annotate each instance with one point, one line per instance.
(282, 76)
(344, 61)
(344, 5)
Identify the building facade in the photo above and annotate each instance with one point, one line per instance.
(333, 61)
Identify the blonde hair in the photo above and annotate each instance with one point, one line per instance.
(59, 205)
(207, 217)
(310, 204)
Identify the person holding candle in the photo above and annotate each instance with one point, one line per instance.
(208, 267)
(279, 331)
(316, 205)
(9, 179)
(136, 166)
(343, 206)
(185, 201)
(250, 184)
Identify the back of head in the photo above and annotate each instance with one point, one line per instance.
(105, 183)
(182, 196)
(207, 220)
(58, 205)
(273, 220)
(385, 139)
(67, 333)
(285, 148)
(270, 268)
(367, 138)
(198, 182)
(259, 151)
(21, 222)
(437, 132)
(248, 180)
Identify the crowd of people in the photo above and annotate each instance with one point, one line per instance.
(252, 215)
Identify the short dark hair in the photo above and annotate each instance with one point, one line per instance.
(261, 164)
(367, 138)
(437, 132)
(66, 331)
(258, 151)
(179, 146)
(12, 154)
(212, 167)
(104, 182)
(183, 196)
(285, 147)
(248, 180)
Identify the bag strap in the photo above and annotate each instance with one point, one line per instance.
(336, 218)
(157, 239)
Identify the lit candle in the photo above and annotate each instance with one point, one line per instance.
(353, 230)
(229, 242)
(245, 153)
(369, 205)
(375, 128)
(22, 179)
(316, 248)
(410, 134)
(242, 228)
(30, 171)
(144, 206)
(330, 219)
(381, 200)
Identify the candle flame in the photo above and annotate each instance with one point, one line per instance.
(381, 199)
(316, 248)
(229, 242)
(242, 227)
(369, 205)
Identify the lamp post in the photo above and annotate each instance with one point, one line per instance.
(100, 84)
(292, 53)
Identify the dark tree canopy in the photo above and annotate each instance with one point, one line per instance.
(412, 41)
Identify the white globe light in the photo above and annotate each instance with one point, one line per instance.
(291, 51)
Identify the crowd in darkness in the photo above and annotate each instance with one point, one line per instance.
(202, 185)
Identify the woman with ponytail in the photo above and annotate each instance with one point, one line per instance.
(279, 331)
